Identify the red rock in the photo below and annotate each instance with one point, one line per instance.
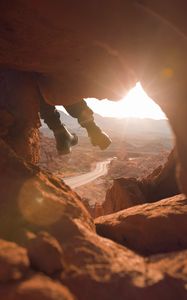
(102, 269)
(45, 253)
(36, 288)
(86, 43)
(19, 108)
(150, 228)
(30, 197)
(94, 267)
(14, 262)
(162, 182)
(127, 192)
(170, 263)
(124, 193)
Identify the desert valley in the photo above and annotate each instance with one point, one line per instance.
(139, 146)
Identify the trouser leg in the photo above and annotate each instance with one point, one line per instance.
(51, 116)
(81, 112)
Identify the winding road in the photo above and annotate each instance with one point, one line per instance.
(101, 169)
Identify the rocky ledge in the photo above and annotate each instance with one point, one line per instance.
(49, 249)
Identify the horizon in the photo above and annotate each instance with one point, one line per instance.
(62, 109)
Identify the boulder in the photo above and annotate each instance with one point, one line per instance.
(45, 253)
(14, 262)
(127, 192)
(36, 287)
(124, 193)
(102, 269)
(150, 228)
(31, 199)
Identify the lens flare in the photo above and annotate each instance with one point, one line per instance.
(136, 104)
(38, 204)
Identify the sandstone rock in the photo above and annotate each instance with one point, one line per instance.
(162, 182)
(170, 263)
(93, 267)
(149, 228)
(124, 193)
(19, 114)
(127, 192)
(102, 269)
(45, 253)
(37, 287)
(31, 199)
(86, 43)
(14, 262)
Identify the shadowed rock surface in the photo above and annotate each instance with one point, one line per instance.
(162, 182)
(38, 210)
(127, 192)
(124, 193)
(150, 228)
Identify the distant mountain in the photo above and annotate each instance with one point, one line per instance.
(128, 127)
(122, 128)
(71, 123)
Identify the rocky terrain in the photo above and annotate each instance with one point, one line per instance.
(69, 165)
(50, 248)
(135, 155)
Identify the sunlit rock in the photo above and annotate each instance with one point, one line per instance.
(149, 228)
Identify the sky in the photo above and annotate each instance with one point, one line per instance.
(136, 105)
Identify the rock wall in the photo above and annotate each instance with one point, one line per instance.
(19, 120)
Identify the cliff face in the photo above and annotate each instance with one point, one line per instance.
(127, 192)
(49, 248)
(124, 193)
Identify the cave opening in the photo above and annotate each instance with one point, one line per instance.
(133, 243)
(142, 141)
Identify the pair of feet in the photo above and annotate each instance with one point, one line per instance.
(65, 140)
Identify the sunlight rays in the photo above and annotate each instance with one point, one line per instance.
(136, 105)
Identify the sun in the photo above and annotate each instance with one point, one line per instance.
(136, 104)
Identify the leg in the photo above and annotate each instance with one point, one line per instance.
(51, 116)
(85, 118)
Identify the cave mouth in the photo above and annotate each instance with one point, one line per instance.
(136, 104)
(141, 142)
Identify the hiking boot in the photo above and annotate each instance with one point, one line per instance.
(98, 137)
(64, 140)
